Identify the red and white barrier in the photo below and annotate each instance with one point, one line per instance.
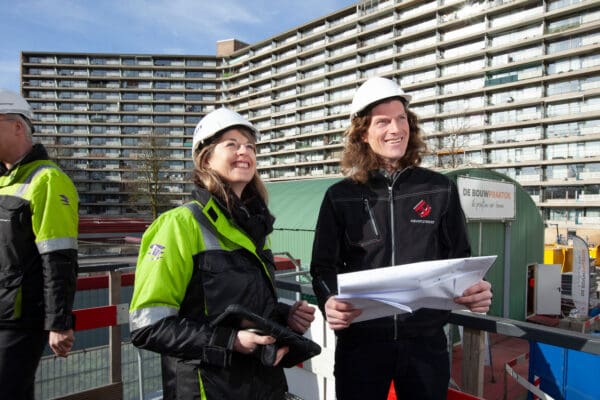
(534, 387)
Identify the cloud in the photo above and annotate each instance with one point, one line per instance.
(57, 15)
(144, 26)
(199, 24)
(188, 20)
(155, 25)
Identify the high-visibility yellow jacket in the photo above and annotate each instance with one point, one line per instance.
(194, 262)
(38, 244)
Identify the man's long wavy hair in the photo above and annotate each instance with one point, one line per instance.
(208, 178)
(358, 158)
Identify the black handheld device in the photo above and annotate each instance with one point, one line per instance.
(300, 348)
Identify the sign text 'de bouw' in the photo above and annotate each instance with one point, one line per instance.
(486, 199)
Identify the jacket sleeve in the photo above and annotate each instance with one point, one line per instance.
(281, 313)
(187, 339)
(55, 204)
(326, 261)
(454, 227)
(164, 270)
(60, 283)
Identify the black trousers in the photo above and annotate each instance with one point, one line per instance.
(419, 367)
(20, 353)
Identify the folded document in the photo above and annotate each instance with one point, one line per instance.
(406, 288)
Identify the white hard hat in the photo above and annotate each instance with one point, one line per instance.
(12, 103)
(215, 122)
(373, 90)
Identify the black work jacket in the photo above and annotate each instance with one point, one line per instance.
(413, 216)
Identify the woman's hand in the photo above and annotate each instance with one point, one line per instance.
(339, 313)
(282, 351)
(301, 316)
(477, 298)
(247, 341)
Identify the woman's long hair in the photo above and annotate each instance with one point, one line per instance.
(358, 158)
(207, 178)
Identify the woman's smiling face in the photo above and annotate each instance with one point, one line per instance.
(234, 159)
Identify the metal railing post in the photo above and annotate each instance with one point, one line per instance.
(140, 374)
(114, 332)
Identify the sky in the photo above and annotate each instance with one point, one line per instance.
(143, 26)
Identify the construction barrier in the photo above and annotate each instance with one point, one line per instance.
(583, 325)
(531, 387)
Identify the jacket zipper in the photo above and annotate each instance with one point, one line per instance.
(257, 252)
(393, 236)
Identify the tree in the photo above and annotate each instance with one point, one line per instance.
(147, 191)
(450, 150)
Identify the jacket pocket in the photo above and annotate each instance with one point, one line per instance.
(10, 296)
(188, 380)
(14, 213)
(17, 241)
(233, 277)
(362, 228)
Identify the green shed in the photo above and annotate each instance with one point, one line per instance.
(502, 220)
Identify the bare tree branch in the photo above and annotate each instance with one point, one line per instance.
(147, 190)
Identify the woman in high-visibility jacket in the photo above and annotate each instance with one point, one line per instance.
(197, 259)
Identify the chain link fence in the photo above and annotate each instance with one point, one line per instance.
(89, 368)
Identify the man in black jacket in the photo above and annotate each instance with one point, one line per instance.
(38, 252)
(388, 211)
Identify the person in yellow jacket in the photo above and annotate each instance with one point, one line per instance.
(38, 251)
(197, 259)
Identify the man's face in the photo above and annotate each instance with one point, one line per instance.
(9, 133)
(388, 133)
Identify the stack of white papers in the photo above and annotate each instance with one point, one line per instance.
(405, 288)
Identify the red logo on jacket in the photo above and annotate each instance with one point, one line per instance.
(422, 208)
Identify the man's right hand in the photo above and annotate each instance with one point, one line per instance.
(340, 314)
(61, 342)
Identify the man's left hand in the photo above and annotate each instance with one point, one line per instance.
(477, 298)
(301, 316)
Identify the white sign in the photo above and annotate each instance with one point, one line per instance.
(580, 285)
(486, 199)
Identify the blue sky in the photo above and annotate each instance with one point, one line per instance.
(143, 26)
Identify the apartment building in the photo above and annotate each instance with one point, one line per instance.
(512, 86)
(100, 115)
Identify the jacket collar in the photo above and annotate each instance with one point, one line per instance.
(223, 223)
(203, 196)
(37, 152)
(382, 176)
(251, 215)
